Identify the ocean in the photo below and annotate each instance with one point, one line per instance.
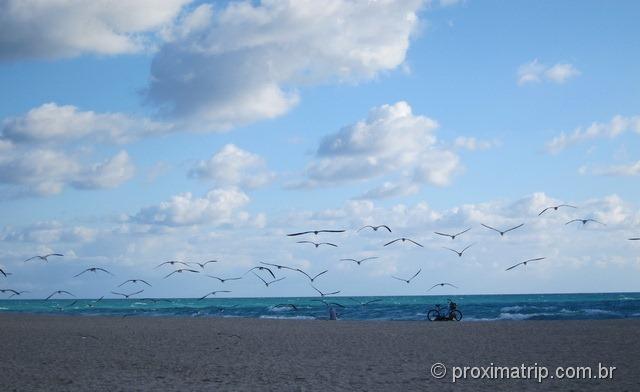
(473, 307)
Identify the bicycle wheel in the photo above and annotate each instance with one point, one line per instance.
(432, 315)
(456, 315)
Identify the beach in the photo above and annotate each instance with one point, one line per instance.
(80, 353)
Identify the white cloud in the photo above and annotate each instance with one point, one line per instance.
(389, 189)
(617, 126)
(243, 62)
(55, 29)
(473, 144)
(624, 170)
(51, 122)
(48, 233)
(392, 140)
(233, 166)
(536, 72)
(46, 172)
(561, 72)
(108, 174)
(218, 207)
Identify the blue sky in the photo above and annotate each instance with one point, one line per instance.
(197, 131)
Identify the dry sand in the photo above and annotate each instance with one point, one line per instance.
(59, 353)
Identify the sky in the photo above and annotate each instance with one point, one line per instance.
(141, 132)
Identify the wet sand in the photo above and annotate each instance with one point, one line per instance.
(62, 353)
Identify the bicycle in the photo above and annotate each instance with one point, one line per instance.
(440, 314)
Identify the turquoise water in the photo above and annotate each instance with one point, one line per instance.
(473, 307)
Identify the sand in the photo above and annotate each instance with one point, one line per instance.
(60, 353)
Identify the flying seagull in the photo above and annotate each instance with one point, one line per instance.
(410, 279)
(461, 252)
(501, 231)
(442, 285)
(361, 260)
(127, 295)
(316, 232)
(203, 264)
(181, 270)
(584, 221)
(278, 266)
(134, 281)
(453, 236)
(317, 244)
(213, 293)
(93, 269)
(525, 262)
(222, 280)
(262, 269)
(15, 292)
(324, 294)
(375, 228)
(309, 276)
(555, 208)
(172, 262)
(44, 257)
(59, 292)
(403, 240)
(5, 274)
(267, 283)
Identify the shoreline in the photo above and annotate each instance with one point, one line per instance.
(59, 352)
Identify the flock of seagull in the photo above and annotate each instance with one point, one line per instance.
(265, 272)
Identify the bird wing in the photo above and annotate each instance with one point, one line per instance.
(545, 210)
(369, 258)
(462, 232)
(323, 272)
(386, 227)
(410, 240)
(301, 233)
(30, 258)
(434, 286)
(391, 242)
(305, 242)
(634, 239)
(260, 277)
(302, 272)
(54, 254)
(116, 293)
(354, 260)
(277, 280)
(137, 292)
(161, 264)
(270, 272)
(81, 273)
(126, 281)
(104, 270)
(489, 227)
(328, 243)
(66, 292)
(3, 273)
(443, 234)
(215, 277)
(364, 227)
(210, 261)
(593, 220)
(373, 300)
(145, 282)
(170, 274)
(204, 296)
(513, 266)
(395, 277)
(320, 292)
(221, 291)
(574, 220)
(536, 259)
(416, 274)
(331, 231)
(567, 205)
(453, 250)
(513, 228)
(449, 284)
(469, 246)
(332, 293)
